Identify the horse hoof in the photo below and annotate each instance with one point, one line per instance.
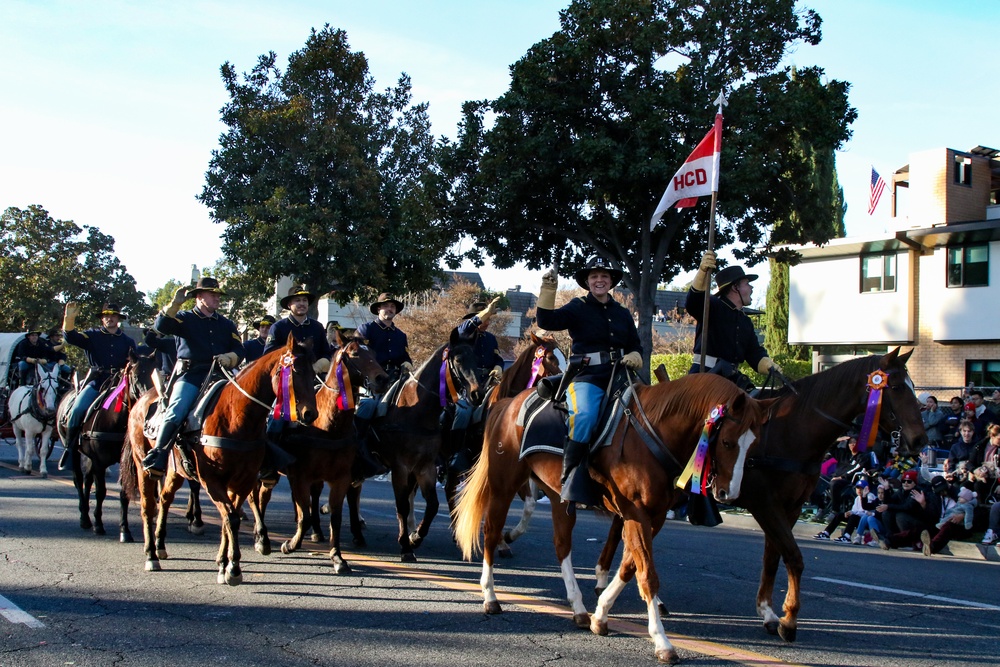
(162, 554)
(125, 538)
(599, 627)
(771, 627)
(220, 578)
(152, 566)
(196, 530)
(582, 620)
(668, 656)
(99, 530)
(408, 557)
(44, 475)
(599, 589)
(325, 509)
(86, 524)
(263, 547)
(316, 538)
(286, 548)
(415, 540)
(492, 608)
(362, 523)
(341, 568)
(234, 579)
(788, 632)
(664, 612)
(360, 542)
(504, 551)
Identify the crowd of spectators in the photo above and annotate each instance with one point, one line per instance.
(948, 493)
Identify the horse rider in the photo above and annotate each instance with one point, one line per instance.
(731, 336)
(255, 348)
(489, 363)
(203, 335)
(302, 328)
(31, 351)
(57, 345)
(107, 349)
(384, 339)
(603, 332)
(164, 348)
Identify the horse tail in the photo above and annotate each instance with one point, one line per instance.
(467, 518)
(128, 474)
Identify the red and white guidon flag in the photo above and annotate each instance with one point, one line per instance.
(697, 177)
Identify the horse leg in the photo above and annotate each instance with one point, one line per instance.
(124, 532)
(301, 497)
(402, 491)
(779, 543)
(428, 489)
(638, 536)
(607, 557)
(353, 504)
(500, 494)
(562, 536)
(315, 525)
(258, 500)
(43, 453)
(100, 493)
(527, 510)
(193, 513)
(168, 489)
(233, 572)
(148, 510)
(338, 490)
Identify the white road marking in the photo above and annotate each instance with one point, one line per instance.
(900, 591)
(15, 614)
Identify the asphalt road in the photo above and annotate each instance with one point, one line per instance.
(73, 598)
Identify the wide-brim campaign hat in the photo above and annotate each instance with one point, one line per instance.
(731, 274)
(267, 320)
(298, 290)
(384, 298)
(112, 309)
(205, 284)
(594, 264)
(32, 330)
(475, 309)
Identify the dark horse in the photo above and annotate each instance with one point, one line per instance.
(408, 438)
(102, 436)
(229, 452)
(647, 452)
(783, 467)
(325, 450)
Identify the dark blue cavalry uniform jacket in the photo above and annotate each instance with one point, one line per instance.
(387, 343)
(484, 344)
(594, 327)
(105, 351)
(200, 338)
(254, 349)
(306, 330)
(730, 331)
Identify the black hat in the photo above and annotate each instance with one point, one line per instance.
(385, 297)
(939, 484)
(593, 264)
(730, 275)
(298, 290)
(267, 320)
(475, 309)
(32, 330)
(112, 309)
(205, 284)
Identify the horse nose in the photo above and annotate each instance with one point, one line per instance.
(722, 495)
(308, 415)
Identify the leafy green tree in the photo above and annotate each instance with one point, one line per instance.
(245, 296)
(602, 113)
(46, 262)
(162, 297)
(321, 177)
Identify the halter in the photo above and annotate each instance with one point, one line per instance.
(446, 385)
(344, 389)
(699, 468)
(536, 365)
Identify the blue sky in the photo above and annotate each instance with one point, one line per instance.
(110, 109)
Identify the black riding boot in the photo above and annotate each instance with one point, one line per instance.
(577, 486)
(71, 443)
(276, 460)
(365, 464)
(155, 462)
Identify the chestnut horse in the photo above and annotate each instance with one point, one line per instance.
(648, 451)
(783, 467)
(325, 451)
(408, 438)
(228, 454)
(102, 436)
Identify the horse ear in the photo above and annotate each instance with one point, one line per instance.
(338, 338)
(534, 339)
(888, 359)
(739, 403)
(903, 358)
(453, 339)
(132, 356)
(290, 343)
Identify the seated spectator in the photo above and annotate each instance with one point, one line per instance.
(952, 524)
(859, 464)
(983, 464)
(870, 526)
(934, 420)
(962, 449)
(908, 512)
(951, 420)
(864, 505)
(983, 415)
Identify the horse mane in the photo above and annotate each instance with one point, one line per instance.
(814, 389)
(688, 397)
(525, 358)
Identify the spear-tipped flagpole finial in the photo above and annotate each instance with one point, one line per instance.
(721, 100)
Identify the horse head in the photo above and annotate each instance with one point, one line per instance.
(46, 387)
(359, 363)
(461, 361)
(536, 361)
(139, 370)
(732, 436)
(293, 379)
(900, 406)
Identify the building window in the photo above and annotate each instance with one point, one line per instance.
(982, 373)
(969, 266)
(963, 170)
(878, 273)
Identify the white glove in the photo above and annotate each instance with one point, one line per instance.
(632, 360)
(321, 366)
(707, 262)
(489, 311)
(406, 366)
(175, 304)
(496, 373)
(766, 364)
(547, 292)
(228, 360)
(69, 317)
(702, 279)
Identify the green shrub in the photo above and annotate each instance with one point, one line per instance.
(678, 365)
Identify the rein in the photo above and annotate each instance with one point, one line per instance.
(648, 435)
(231, 379)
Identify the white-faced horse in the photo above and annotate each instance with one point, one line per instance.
(32, 409)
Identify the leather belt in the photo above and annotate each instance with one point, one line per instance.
(598, 358)
(710, 361)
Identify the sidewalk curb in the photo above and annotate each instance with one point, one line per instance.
(804, 530)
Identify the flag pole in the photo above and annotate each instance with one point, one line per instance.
(720, 101)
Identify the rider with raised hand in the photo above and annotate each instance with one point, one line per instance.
(489, 363)
(603, 331)
(255, 348)
(107, 348)
(202, 335)
(731, 336)
(57, 352)
(384, 339)
(29, 352)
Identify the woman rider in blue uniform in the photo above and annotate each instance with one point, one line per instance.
(602, 331)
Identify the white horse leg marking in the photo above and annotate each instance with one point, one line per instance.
(744, 444)
(573, 593)
(602, 576)
(526, 513)
(608, 597)
(765, 612)
(656, 627)
(486, 583)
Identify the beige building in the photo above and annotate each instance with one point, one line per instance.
(932, 283)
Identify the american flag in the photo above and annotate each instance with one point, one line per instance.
(878, 185)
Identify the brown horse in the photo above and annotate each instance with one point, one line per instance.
(408, 438)
(325, 450)
(647, 452)
(783, 467)
(102, 436)
(228, 454)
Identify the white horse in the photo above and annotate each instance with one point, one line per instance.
(33, 410)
